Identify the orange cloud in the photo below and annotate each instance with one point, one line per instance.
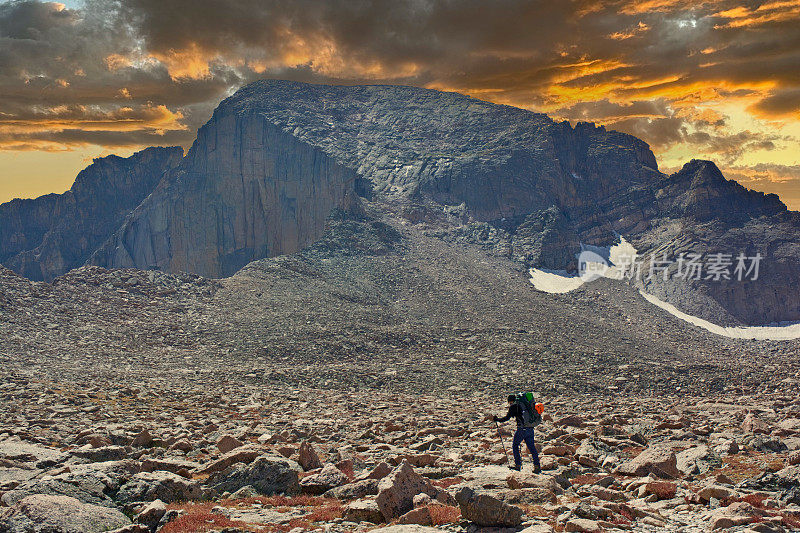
(60, 127)
(191, 62)
(628, 34)
(780, 11)
(116, 61)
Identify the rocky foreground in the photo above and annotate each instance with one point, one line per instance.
(97, 458)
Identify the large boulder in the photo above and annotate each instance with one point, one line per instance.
(159, 485)
(43, 513)
(487, 511)
(244, 454)
(363, 511)
(693, 460)
(659, 460)
(268, 474)
(355, 490)
(397, 490)
(323, 481)
(527, 480)
(226, 443)
(88, 483)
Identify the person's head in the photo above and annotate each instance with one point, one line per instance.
(512, 398)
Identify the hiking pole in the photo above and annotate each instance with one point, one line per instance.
(499, 436)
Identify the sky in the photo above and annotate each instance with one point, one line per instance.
(710, 79)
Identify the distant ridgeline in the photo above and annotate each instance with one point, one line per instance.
(277, 157)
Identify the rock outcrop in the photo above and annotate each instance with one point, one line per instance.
(45, 237)
(42, 513)
(702, 213)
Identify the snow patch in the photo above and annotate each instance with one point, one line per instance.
(778, 332)
(555, 281)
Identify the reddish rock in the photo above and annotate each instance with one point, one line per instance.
(142, 440)
(420, 516)
(227, 443)
(308, 459)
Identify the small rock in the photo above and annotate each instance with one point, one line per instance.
(753, 424)
(583, 525)
(308, 459)
(226, 443)
(421, 500)
(142, 440)
(659, 460)
(152, 514)
(794, 458)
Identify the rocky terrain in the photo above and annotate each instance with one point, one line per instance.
(350, 387)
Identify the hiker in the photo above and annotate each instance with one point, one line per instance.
(525, 424)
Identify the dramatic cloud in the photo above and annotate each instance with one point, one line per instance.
(712, 78)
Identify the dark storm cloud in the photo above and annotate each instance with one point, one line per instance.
(779, 103)
(638, 66)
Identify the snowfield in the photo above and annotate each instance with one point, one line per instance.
(602, 262)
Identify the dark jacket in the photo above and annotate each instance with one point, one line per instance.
(514, 410)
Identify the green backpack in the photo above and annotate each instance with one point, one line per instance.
(530, 416)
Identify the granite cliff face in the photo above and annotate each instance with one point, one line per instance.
(45, 237)
(277, 156)
(245, 191)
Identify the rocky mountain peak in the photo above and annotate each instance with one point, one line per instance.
(45, 237)
(700, 191)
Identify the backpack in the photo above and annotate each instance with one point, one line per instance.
(530, 416)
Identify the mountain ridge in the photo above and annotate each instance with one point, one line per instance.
(45, 237)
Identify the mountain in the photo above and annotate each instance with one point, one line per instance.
(45, 237)
(278, 157)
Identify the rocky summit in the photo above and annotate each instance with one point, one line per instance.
(307, 322)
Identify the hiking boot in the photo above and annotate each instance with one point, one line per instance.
(537, 469)
(516, 467)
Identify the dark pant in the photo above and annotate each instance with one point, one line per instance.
(525, 434)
